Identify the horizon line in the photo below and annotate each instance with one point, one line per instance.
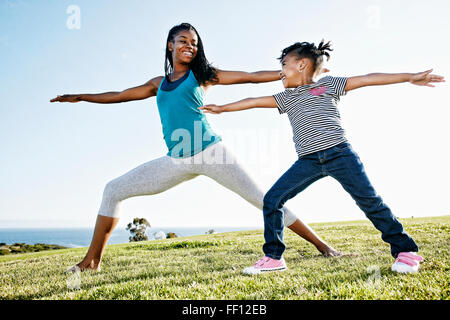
(217, 226)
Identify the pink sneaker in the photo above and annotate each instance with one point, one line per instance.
(407, 262)
(266, 264)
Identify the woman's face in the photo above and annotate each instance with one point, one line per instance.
(184, 46)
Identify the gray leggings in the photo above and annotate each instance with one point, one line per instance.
(156, 176)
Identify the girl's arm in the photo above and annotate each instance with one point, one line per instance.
(148, 89)
(373, 79)
(249, 103)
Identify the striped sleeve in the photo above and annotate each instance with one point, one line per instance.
(337, 84)
(281, 100)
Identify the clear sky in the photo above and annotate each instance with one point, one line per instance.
(57, 158)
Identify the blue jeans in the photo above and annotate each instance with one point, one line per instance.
(343, 164)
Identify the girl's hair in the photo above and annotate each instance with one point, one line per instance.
(204, 72)
(310, 51)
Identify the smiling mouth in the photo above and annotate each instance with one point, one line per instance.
(188, 54)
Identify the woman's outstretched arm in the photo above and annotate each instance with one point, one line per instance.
(236, 77)
(148, 89)
(421, 79)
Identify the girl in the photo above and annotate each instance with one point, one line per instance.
(323, 149)
(194, 149)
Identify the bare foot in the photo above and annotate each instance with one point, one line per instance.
(93, 265)
(329, 252)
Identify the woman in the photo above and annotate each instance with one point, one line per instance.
(194, 149)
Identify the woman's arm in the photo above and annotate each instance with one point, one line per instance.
(239, 77)
(249, 103)
(373, 79)
(148, 89)
(236, 77)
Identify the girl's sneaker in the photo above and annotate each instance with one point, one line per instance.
(407, 262)
(266, 264)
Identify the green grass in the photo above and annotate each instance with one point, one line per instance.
(210, 267)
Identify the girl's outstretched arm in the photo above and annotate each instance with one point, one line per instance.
(421, 79)
(148, 89)
(249, 103)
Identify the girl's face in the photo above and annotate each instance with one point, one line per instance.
(184, 46)
(291, 69)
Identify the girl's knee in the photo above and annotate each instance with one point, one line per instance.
(372, 205)
(268, 201)
(270, 196)
(274, 199)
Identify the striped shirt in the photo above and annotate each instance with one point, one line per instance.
(312, 111)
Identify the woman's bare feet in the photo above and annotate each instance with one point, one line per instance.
(93, 264)
(308, 234)
(103, 229)
(328, 251)
(86, 264)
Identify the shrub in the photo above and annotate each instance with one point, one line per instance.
(4, 251)
(137, 229)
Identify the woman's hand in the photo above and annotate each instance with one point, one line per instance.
(425, 78)
(211, 108)
(67, 98)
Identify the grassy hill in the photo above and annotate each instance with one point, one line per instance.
(210, 267)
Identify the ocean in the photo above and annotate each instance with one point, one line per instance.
(81, 237)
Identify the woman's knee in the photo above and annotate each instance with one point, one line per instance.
(110, 189)
(110, 201)
(114, 191)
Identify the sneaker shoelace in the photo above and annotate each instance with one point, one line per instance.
(409, 259)
(261, 261)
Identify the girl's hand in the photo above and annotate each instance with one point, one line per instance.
(425, 78)
(66, 98)
(211, 108)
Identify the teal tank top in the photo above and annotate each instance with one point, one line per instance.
(185, 128)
